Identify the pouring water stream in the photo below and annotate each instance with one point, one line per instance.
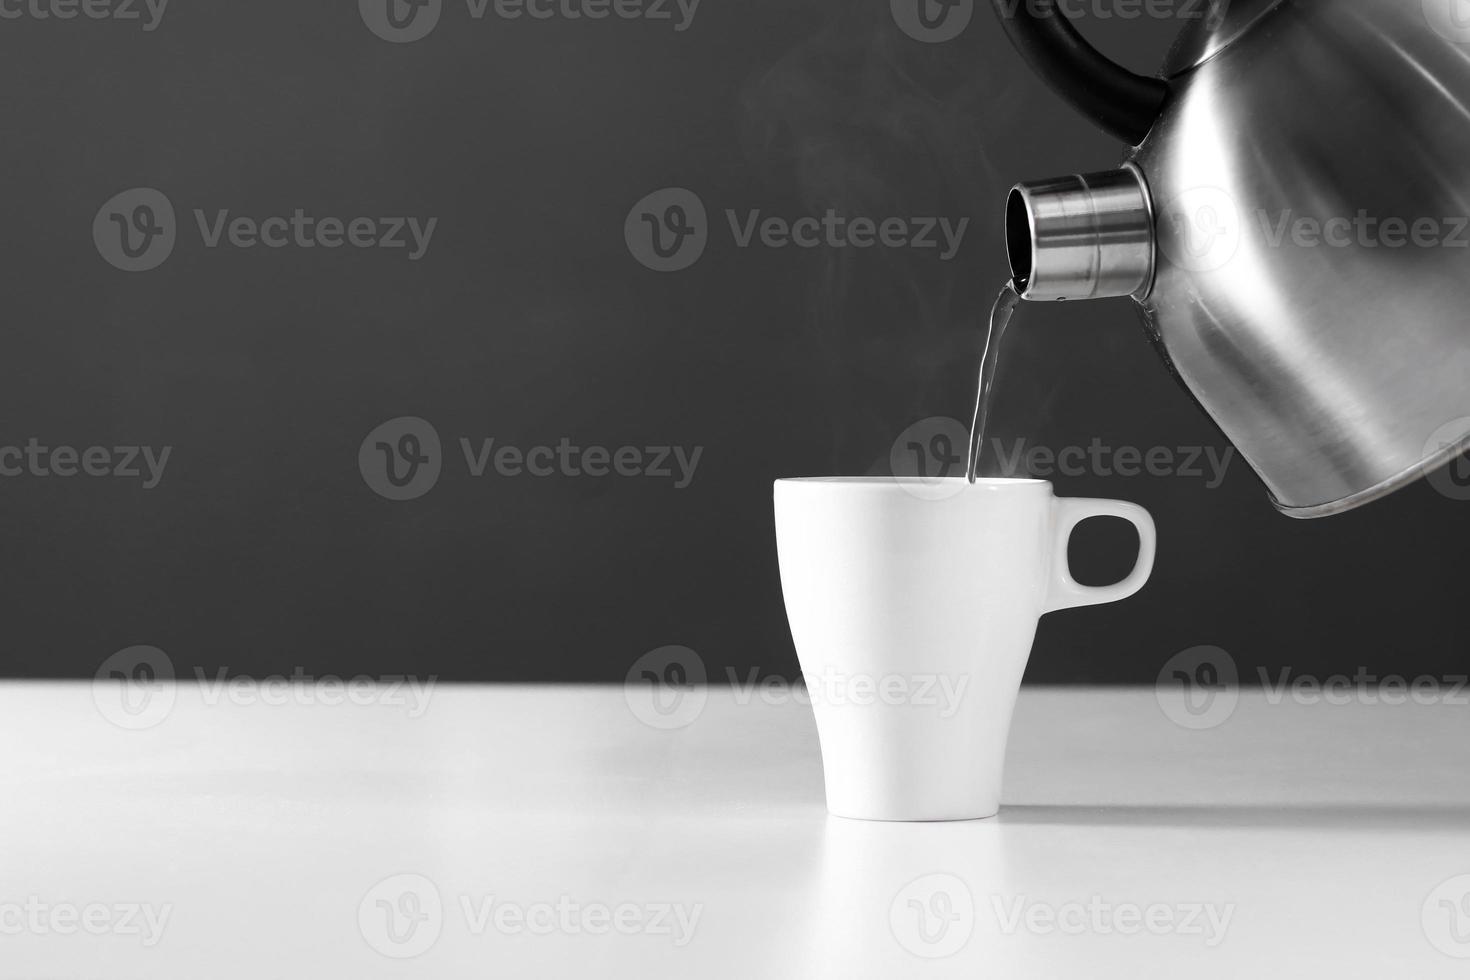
(1000, 318)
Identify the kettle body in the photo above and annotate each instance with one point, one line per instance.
(1293, 219)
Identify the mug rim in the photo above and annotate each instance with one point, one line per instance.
(907, 482)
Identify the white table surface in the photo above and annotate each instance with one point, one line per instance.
(1326, 840)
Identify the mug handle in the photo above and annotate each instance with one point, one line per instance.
(1067, 513)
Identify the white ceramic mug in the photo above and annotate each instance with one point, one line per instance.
(913, 604)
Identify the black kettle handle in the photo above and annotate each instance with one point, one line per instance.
(1121, 102)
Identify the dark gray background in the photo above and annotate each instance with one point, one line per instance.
(264, 551)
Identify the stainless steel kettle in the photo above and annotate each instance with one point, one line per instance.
(1292, 221)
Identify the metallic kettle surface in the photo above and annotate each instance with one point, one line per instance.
(1291, 219)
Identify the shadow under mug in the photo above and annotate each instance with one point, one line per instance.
(913, 604)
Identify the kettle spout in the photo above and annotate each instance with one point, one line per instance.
(1087, 236)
